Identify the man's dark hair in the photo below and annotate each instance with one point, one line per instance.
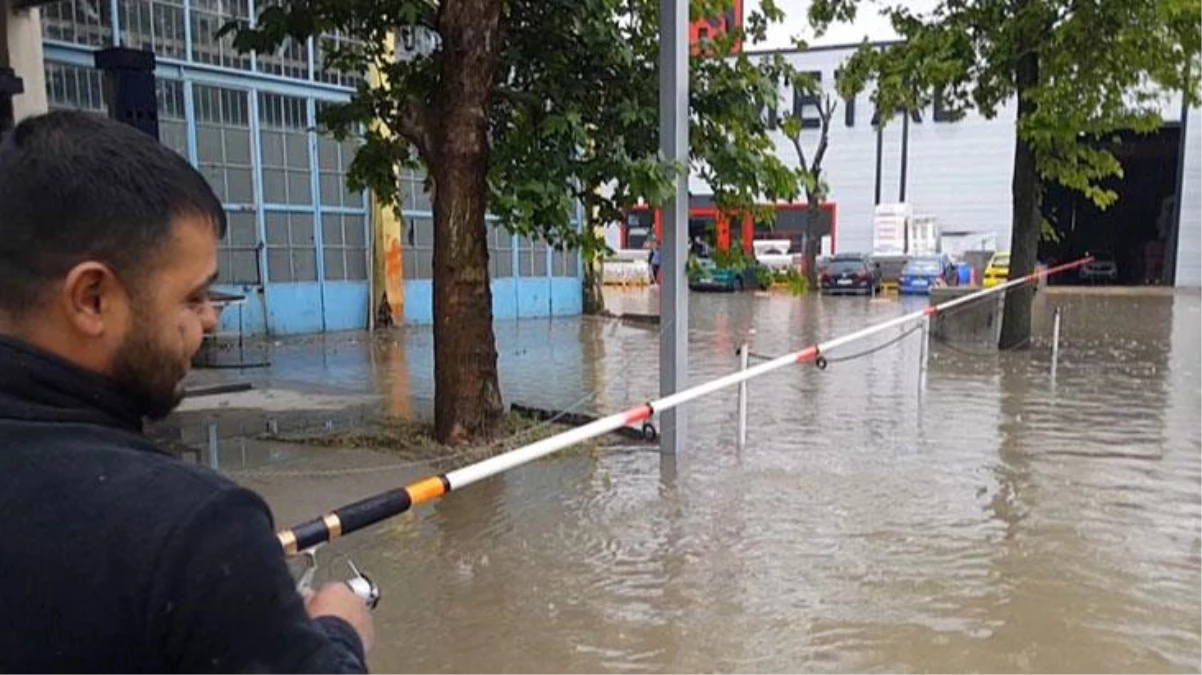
(77, 187)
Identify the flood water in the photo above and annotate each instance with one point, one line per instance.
(998, 521)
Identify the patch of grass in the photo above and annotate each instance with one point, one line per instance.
(793, 280)
(414, 439)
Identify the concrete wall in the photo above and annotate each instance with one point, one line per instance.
(1182, 396)
(1189, 237)
(23, 36)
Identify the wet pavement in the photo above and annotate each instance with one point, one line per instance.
(998, 521)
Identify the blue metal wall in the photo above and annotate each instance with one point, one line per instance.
(299, 242)
(513, 298)
(298, 247)
(529, 279)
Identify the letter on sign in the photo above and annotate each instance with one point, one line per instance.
(803, 99)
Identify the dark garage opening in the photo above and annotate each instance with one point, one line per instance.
(1138, 230)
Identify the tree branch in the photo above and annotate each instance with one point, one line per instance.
(524, 98)
(825, 112)
(413, 123)
(801, 154)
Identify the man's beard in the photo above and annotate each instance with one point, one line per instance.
(148, 373)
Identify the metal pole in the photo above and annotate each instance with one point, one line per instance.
(115, 18)
(905, 157)
(744, 357)
(1055, 341)
(371, 226)
(924, 350)
(213, 460)
(674, 146)
(880, 143)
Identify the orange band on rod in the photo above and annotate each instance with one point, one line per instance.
(639, 414)
(807, 354)
(288, 541)
(333, 525)
(426, 489)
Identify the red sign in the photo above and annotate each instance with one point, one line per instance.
(713, 27)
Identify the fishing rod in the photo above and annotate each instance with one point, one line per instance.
(373, 509)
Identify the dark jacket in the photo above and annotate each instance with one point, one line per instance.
(117, 557)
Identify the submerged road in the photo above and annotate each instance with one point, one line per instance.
(1001, 522)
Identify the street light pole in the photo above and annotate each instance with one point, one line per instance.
(674, 145)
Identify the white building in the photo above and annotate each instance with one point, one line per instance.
(960, 171)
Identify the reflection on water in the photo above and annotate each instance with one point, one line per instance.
(998, 522)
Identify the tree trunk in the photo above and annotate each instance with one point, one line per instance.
(813, 244)
(594, 298)
(467, 395)
(594, 280)
(1025, 195)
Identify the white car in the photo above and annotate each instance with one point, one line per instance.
(773, 253)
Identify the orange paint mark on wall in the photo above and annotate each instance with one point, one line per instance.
(393, 275)
(388, 266)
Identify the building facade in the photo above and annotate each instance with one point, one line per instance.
(300, 243)
(959, 168)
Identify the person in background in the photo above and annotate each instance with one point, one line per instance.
(655, 259)
(118, 557)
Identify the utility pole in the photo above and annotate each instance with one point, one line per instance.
(674, 146)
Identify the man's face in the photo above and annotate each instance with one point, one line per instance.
(168, 316)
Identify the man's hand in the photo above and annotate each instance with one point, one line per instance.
(338, 600)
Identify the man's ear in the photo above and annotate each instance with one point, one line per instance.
(87, 295)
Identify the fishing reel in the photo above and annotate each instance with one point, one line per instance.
(358, 582)
(650, 433)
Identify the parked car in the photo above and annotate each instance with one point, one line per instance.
(850, 273)
(1101, 268)
(923, 273)
(773, 254)
(710, 277)
(998, 269)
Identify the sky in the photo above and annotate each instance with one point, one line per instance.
(868, 24)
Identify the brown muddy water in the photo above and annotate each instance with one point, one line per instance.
(1000, 521)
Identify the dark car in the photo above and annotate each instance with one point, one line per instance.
(1101, 268)
(850, 273)
(709, 277)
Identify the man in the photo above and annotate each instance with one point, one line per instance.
(655, 260)
(117, 557)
